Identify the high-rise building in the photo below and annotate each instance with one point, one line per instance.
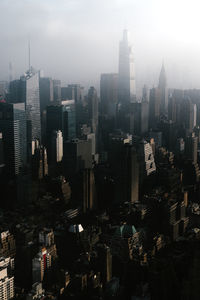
(154, 107)
(46, 92)
(145, 94)
(77, 155)
(77, 91)
(57, 90)
(32, 101)
(162, 85)
(126, 88)
(7, 245)
(16, 91)
(60, 117)
(139, 118)
(73, 91)
(89, 195)
(123, 159)
(40, 263)
(191, 147)
(109, 94)
(3, 88)
(57, 146)
(146, 160)
(69, 119)
(93, 109)
(13, 128)
(1, 154)
(105, 262)
(39, 163)
(6, 282)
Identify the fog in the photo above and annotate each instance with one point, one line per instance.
(77, 40)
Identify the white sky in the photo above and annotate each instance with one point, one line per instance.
(77, 40)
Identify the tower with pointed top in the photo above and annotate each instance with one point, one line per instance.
(127, 89)
(162, 85)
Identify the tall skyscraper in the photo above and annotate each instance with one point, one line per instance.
(127, 88)
(32, 100)
(13, 128)
(162, 85)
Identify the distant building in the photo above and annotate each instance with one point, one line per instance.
(162, 85)
(126, 87)
(109, 94)
(57, 90)
(154, 107)
(93, 109)
(139, 118)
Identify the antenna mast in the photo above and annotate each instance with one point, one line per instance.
(29, 55)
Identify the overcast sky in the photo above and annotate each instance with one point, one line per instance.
(77, 40)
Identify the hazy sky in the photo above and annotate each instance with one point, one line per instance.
(77, 40)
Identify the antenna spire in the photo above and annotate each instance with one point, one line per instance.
(29, 55)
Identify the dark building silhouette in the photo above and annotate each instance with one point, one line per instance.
(154, 107)
(77, 155)
(139, 118)
(13, 129)
(109, 94)
(125, 169)
(1, 154)
(162, 85)
(93, 109)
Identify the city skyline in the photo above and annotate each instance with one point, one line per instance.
(68, 39)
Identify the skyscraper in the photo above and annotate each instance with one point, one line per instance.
(93, 109)
(6, 282)
(127, 89)
(32, 100)
(57, 146)
(109, 94)
(13, 128)
(154, 107)
(162, 85)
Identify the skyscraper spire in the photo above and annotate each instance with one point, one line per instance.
(127, 90)
(162, 78)
(29, 55)
(162, 85)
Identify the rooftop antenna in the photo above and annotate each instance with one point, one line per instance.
(10, 72)
(29, 55)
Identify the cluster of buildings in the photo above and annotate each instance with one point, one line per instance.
(99, 195)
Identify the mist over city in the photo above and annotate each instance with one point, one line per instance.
(99, 150)
(77, 40)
